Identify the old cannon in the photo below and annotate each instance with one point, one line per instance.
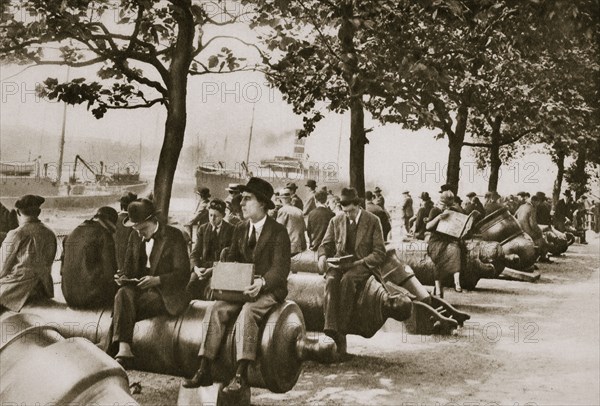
(500, 226)
(481, 260)
(170, 344)
(384, 296)
(30, 352)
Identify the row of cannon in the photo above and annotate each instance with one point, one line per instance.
(170, 344)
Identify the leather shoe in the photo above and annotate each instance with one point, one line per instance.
(202, 377)
(125, 362)
(235, 386)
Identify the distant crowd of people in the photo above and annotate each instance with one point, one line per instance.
(142, 267)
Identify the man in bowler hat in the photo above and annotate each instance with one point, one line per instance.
(265, 243)
(354, 232)
(154, 275)
(26, 257)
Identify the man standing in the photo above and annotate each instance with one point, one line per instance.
(26, 257)
(527, 219)
(89, 263)
(122, 233)
(355, 232)
(382, 215)
(318, 220)
(295, 199)
(292, 219)
(212, 238)
(310, 203)
(379, 199)
(201, 212)
(563, 211)
(8, 221)
(542, 212)
(422, 215)
(407, 210)
(473, 204)
(154, 275)
(262, 241)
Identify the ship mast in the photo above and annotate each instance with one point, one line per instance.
(62, 137)
(250, 137)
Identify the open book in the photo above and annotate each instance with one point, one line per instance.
(344, 260)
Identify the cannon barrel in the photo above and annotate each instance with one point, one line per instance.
(502, 227)
(379, 301)
(170, 345)
(31, 352)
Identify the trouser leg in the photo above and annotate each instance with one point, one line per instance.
(331, 301)
(352, 282)
(124, 312)
(248, 326)
(221, 313)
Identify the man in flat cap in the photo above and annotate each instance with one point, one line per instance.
(292, 219)
(473, 204)
(154, 276)
(211, 239)
(261, 241)
(89, 263)
(382, 215)
(311, 204)
(295, 199)
(492, 203)
(354, 232)
(122, 232)
(26, 257)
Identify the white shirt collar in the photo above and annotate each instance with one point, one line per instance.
(258, 226)
(357, 216)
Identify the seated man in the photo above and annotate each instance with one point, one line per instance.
(201, 212)
(89, 263)
(212, 238)
(382, 215)
(26, 257)
(527, 219)
(153, 278)
(122, 232)
(265, 243)
(353, 232)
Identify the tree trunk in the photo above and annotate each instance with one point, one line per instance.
(579, 184)
(176, 110)
(351, 75)
(495, 161)
(455, 144)
(560, 165)
(357, 146)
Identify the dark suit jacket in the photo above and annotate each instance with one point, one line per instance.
(204, 253)
(169, 260)
(121, 239)
(369, 239)
(89, 266)
(383, 217)
(271, 257)
(474, 205)
(318, 220)
(407, 208)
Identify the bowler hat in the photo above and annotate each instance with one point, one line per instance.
(471, 194)
(203, 192)
(292, 186)
(107, 215)
(445, 187)
(523, 194)
(139, 211)
(349, 196)
(127, 198)
(311, 183)
(28, 201)
(260, 188)
(406, 192)
(425, 196)
(377, 189)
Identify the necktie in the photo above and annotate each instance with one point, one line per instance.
(252, 239)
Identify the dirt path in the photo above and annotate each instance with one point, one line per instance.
(526, 344)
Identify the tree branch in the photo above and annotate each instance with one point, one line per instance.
(136, 106)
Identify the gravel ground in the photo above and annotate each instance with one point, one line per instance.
(526, 344)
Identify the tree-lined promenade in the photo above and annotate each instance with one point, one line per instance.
(494, 76)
